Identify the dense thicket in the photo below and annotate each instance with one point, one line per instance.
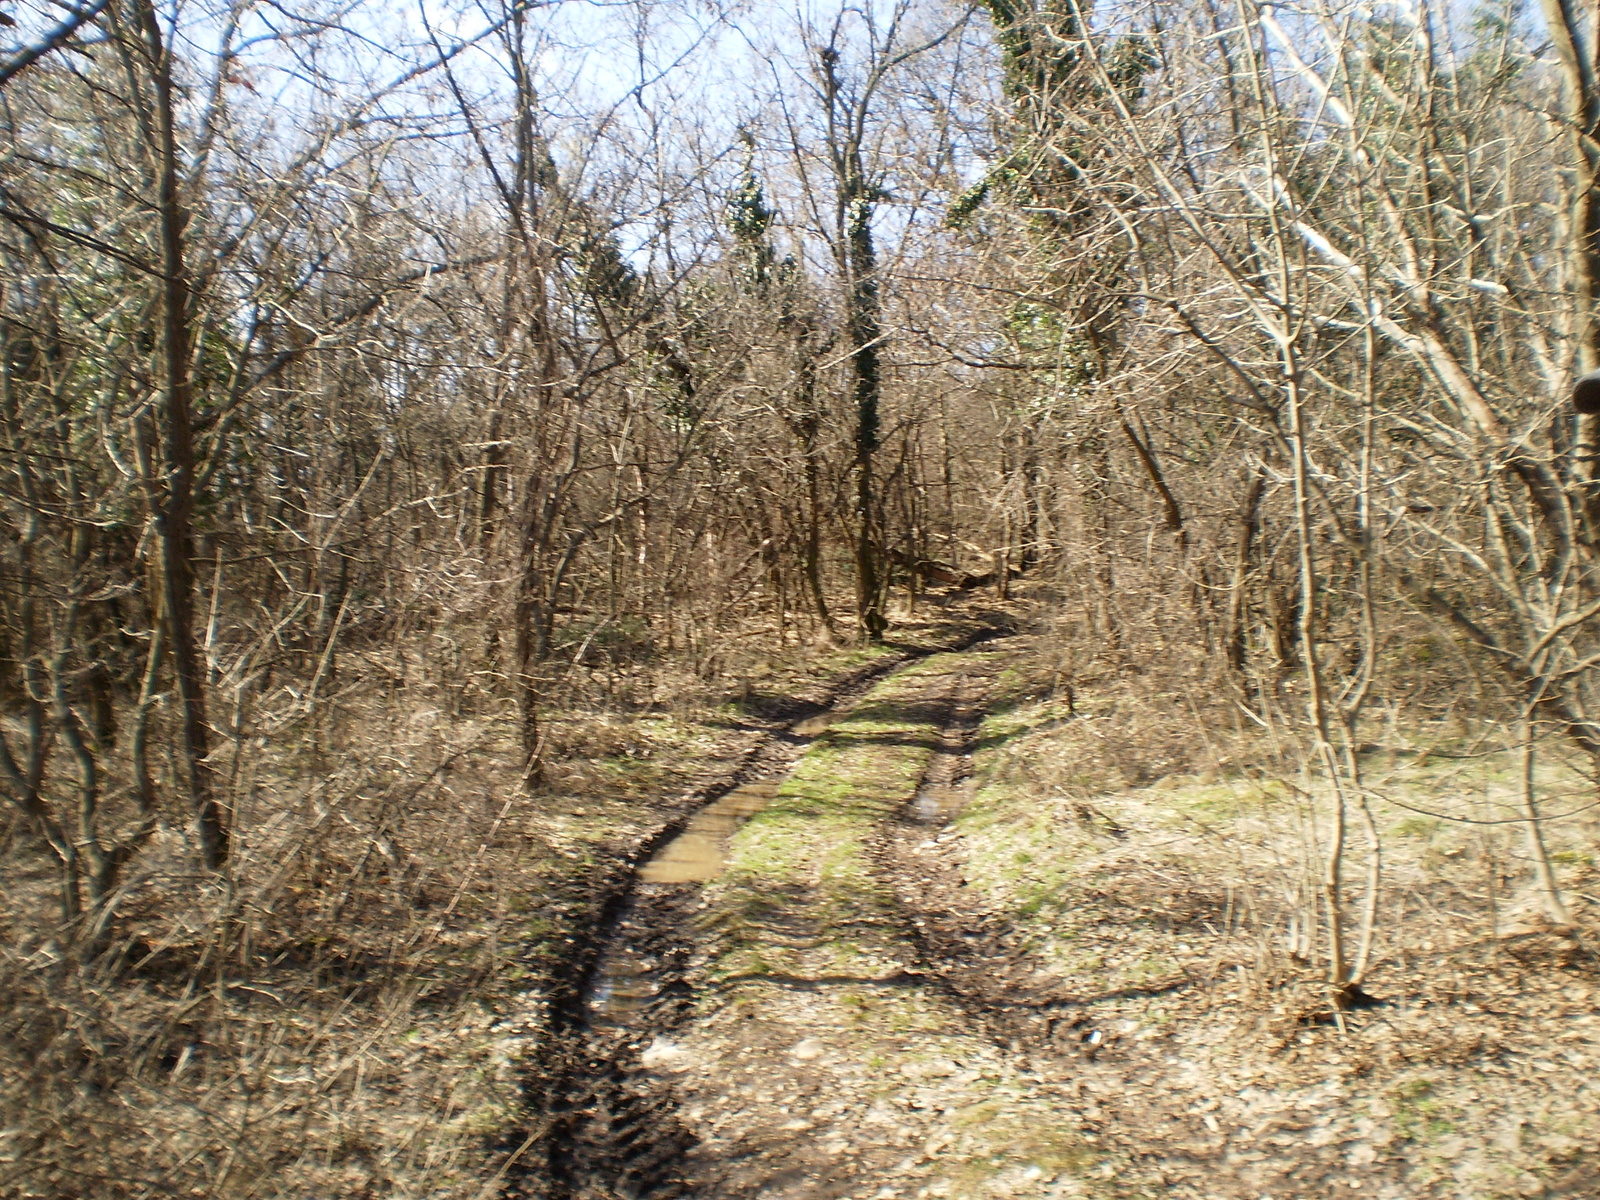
(514, 359)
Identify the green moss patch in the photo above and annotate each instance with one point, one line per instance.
(801, 894)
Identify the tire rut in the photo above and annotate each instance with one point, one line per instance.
(612, 1130)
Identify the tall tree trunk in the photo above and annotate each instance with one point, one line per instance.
(864, 327)
(813, 533)
(1033, 515)
(1239, 592)
(173, 516)
(543, 502)
(533, 230)
(1572, 33)
(494, 466)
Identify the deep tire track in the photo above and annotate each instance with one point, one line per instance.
(610, 1131)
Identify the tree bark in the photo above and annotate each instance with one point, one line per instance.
(173, 515)
(864, 327)
(1238, 594)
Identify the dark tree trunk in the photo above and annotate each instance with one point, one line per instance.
(864, 327)
(1244, 550)
(173, 516)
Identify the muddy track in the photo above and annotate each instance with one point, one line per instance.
(604, 1132)
(979, 959)
(976, 959)
(602, 1127)
(940, 1053)
(615, 1133)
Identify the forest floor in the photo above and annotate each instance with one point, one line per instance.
(1004, 917)
(995, 931)
(381, 1000)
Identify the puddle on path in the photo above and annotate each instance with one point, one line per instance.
(700, 851)
(938, 803)
(623, 985)
(947, 783)
(812, 726)
(627, 978)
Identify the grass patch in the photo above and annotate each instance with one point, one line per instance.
(811, 845)
(1419, 1115)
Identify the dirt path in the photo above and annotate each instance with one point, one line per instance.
(817, 1057)
(829, 1002)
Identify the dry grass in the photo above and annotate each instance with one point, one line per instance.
(358, 1005)
(315, 1021)
(1154, 840)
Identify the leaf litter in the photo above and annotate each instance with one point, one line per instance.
(1080, 990)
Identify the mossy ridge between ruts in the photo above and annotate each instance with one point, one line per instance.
(775, 689)
(818, 1063)
(801, 895)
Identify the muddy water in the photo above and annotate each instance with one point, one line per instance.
(812, 726)
(947, 785)
(700, 852)
(629, 977)
(938, 802)
(631, 972)
(623, 985)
